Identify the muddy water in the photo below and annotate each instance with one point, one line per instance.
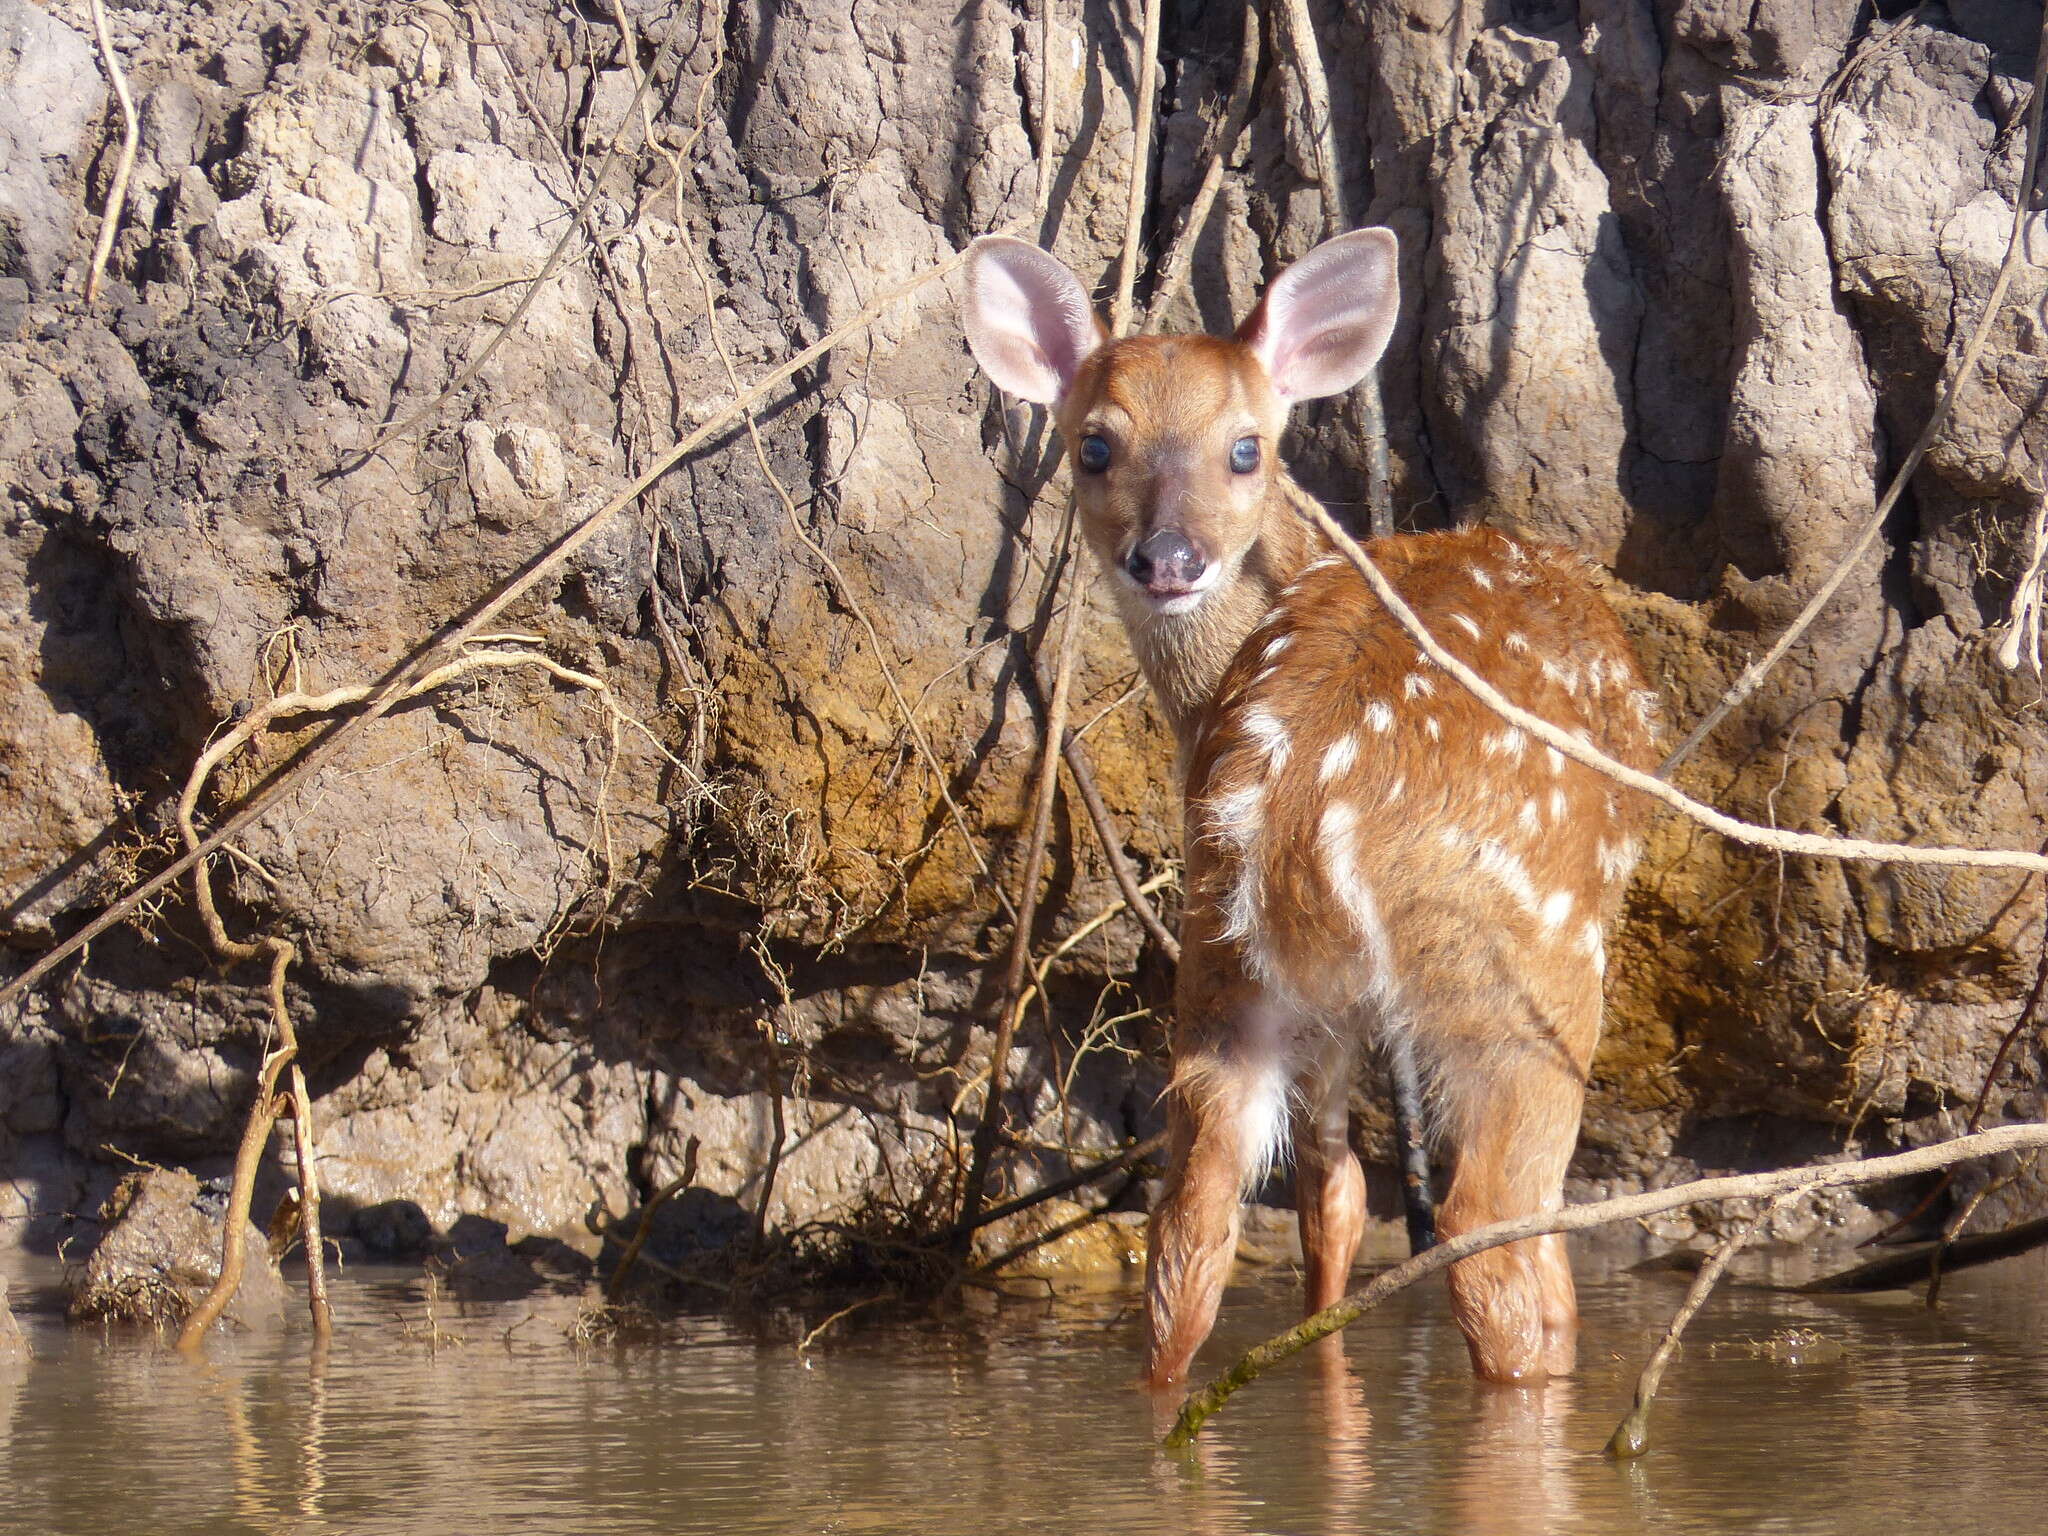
(1783, 1414)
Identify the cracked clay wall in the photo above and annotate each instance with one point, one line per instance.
(1680, 284)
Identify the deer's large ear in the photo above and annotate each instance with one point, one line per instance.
(1028, 319)
(1326, 319)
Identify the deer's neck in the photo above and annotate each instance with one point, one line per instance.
(1183, 656)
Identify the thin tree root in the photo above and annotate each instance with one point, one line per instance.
(1112, 845)
(131, 136)
(270, 1103)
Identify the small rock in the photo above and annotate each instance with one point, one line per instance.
(483, 1267)
(559, 1264)
(393, 1229)
(161, 1255)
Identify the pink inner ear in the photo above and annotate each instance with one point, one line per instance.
(1326, 319)
(1028, 319)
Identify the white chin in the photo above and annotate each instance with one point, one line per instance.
(1173, 607)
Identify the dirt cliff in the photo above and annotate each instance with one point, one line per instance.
(1682, 282)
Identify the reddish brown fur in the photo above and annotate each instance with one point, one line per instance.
(1490, 867)
(1370, 850)
(1171, 406)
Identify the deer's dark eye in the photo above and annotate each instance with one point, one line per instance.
(1244, 455)
(1094, 453)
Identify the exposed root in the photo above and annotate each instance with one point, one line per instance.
(131, 135)
(1966, 370)
(1141, 164)
(269, 1103)
(1237, 114)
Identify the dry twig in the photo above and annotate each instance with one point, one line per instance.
(1632, 1435)
(1581, 750)
(1577, 1218)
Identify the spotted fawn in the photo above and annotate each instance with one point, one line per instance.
(1370, 850)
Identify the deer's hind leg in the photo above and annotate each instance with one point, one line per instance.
(1329, 1184)
(1511, 1112)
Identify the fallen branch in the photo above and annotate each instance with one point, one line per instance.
(1577, 1218)
(1632, 1435)
(1895, 1271)
(1581, 750)
(124, 166)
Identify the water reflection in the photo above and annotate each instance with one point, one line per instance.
(1029, 1421)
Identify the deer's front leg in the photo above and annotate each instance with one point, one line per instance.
(1227, 1115)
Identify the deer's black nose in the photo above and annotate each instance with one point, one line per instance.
(1165, 562)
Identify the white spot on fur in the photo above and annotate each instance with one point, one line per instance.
(1431, 729)
(1267, 734)
(1337, 838)
(1565, 677)
(1394, 789)
(1337, 758)
(1557, 906)
(1378, 716)
(1555, 759)
(1237, 816)
(1616, 859)
(1507, 743)
(1465, 624)
(1645, 704)
(1515, 643)
(1592, 943)
(1527, 818)
(1496, 860)
(1240, 908)
(1480, 579)
(1275, 646)
(1557, 805)
(1416, 686)
(1268, 1066)
(1324, 564)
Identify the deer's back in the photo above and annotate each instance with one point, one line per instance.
(1364, 830)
